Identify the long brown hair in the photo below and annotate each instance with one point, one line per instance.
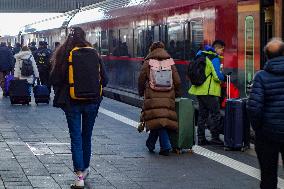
(76, 38)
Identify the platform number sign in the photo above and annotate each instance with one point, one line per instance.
(249, 51)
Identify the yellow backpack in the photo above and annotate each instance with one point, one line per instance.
(84, 72)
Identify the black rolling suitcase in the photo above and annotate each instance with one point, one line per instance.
(41, 93)
(19, 92)
(236, 124)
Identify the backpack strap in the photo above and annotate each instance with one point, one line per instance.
(164, 63)
(70, 60)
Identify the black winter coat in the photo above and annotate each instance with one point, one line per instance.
(6, 59)
(266, 101)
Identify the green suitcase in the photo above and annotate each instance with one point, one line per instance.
(184, 137)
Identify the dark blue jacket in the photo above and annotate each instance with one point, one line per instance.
(6, 59)
(266, 101)
(42, 57)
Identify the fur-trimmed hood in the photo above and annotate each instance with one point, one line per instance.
(159, 54)
(23, 54)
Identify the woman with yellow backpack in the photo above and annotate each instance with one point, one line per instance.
(78, 76)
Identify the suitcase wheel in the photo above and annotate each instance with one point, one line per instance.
(177, 150)
(190, 151)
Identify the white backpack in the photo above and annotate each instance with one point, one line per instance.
(161, 77)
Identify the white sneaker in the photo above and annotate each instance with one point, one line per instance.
(78, 183)
(86, 173)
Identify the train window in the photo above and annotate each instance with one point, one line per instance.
(175, 42)
(113, 39)
(249, 50)
(104, 43)
(156, 30)
(125, 43)
(196, 34)
(196, 38)
(95, 40)
(139, 42)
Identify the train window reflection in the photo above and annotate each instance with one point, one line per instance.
(113, 40)
(175, 40)
(196, 37)
(125, 43)
(104, 43)
(139, 42)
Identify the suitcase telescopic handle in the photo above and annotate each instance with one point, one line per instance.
(38, 81)
(228, 86)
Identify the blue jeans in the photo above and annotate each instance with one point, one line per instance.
(81, 134)
(163, 136)
(30, 88)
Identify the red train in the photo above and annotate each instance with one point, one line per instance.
(122, 31)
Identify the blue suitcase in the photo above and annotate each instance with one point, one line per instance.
(19, 92)
(41, 94)
(236, 125)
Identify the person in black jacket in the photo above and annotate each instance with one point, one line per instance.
(266, 111)
(80, 114)
(6, 64)
(42, 56)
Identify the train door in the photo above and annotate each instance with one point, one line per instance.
(271, 22)
(267, 25)
(258, 22)
(248, 42)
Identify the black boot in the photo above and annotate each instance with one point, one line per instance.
(203, 141)
(164, 152)
(216, 141)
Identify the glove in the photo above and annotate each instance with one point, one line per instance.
(229, 73)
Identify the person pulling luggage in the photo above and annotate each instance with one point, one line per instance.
(25, 67)
(42, 56)
(206, 77)
(159, 83)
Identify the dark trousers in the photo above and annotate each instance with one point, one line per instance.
(209, 105)
(2, 81)
(268, 153)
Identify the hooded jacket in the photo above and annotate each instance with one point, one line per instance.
(158, 109)
(211, 86)
(266, 100)
(19, 59)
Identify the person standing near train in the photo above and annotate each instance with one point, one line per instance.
(158, 109)
(208, 93)
(81, 111)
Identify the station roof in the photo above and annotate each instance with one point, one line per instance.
(38, 6)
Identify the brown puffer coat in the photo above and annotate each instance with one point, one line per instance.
(158, 107)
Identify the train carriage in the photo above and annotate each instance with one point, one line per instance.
(122, 32)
